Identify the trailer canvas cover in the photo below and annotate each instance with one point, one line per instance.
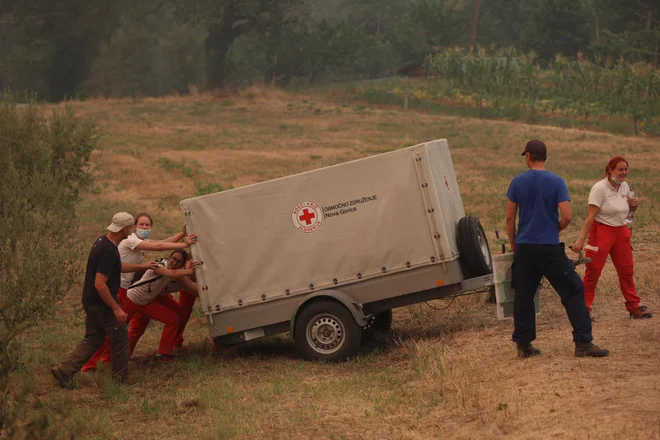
(325, 228)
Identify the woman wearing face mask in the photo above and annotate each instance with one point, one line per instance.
(608, 206)
(131, 251)
(149, 299)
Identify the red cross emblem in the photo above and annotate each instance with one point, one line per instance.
(307, 216)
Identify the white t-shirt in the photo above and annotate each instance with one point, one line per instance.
(145, 293)
(129, 253)
(613, 205)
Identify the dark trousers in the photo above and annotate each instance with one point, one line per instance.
(100, 322)
(531, 262)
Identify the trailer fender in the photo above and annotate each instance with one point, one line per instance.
(353, 306)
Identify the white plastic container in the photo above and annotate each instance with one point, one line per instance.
(503, 292)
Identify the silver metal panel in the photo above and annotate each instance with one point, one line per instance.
(388, 286)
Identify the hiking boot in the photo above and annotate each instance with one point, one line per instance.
(121, 380)
(526, 350)
(63, 380)
(587, 349)
(164, 357)
(641, 312)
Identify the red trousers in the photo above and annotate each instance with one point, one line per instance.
(103, 353)
(613, 241)
(186, 302)
(164, 309)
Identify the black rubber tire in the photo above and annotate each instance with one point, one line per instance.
(473, 246)
(381, 322)
(338, 322)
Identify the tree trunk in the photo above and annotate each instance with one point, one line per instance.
(475, 20)
(649, 19)
(597, 26)
(67, 70)
(216, 46)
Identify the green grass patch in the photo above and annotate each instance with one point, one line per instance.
(187, 168)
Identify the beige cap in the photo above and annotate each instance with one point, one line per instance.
(120, 221)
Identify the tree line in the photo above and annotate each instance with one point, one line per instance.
(76, 48)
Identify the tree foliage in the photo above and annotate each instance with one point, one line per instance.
(44, 164)
(155, 47)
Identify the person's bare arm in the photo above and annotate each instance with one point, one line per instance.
(175, 238)
(189, 285)
(176, 273)
(102, 288)
(129, 267)
(165, 245)
(592, 210)
(566, 214)
(511, 213)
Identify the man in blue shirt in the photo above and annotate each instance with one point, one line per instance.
(539, 195)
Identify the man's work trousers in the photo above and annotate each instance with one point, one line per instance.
(531, 262)
(614, 241)
(99, 324)
(186, 302)
(103, 353)
(164, 309)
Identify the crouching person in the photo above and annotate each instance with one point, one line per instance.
(149, 299)
(104, 317)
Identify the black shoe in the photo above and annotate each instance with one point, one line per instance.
(587, 349)
(165, 357)
(641, 313)
(526, 350)
(63, 380)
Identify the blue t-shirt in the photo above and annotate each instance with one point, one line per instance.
(538, 194)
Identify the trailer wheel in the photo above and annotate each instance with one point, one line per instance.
(326, 330)
(473, 246)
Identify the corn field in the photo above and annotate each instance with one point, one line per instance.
(581, 87)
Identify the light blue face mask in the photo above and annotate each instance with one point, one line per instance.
(615, 180)
(143, 233)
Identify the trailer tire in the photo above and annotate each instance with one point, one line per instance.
(473, 246)
(326, 330)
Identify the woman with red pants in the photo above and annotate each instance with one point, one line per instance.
(610, 201)
(149, 299)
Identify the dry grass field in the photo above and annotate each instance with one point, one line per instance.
(445, 373)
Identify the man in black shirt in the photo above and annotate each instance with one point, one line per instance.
(99, 300)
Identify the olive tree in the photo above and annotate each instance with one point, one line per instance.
(44, 167)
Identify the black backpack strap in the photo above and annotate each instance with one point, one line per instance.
(161, 262)
(142, 283)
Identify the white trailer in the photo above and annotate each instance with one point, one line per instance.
(325, 253)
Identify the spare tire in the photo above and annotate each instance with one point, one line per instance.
(473, 247)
